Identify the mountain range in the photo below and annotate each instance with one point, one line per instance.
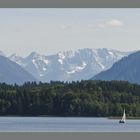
(70, 65)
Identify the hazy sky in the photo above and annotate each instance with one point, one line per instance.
(48, 31)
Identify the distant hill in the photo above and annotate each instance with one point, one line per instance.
(128, 69)
(11, 73)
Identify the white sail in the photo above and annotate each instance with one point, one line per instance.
(124, 116)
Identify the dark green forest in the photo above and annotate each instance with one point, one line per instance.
(81, 98)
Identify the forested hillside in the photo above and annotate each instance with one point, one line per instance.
(85, 98)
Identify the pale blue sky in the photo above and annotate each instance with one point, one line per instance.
(48, 31)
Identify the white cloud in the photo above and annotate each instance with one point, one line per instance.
(111, 23)
(65, 26)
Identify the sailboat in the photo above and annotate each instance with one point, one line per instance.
(123, 118)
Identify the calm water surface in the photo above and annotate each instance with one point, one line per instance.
(62, 124)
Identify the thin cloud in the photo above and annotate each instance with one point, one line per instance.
(65, 26)
(112, 23)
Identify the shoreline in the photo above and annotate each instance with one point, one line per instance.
(110, 117)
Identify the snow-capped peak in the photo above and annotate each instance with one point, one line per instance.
(16, 58)
(33, 55)
(14, 55)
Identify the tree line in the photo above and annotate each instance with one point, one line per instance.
(80, 98)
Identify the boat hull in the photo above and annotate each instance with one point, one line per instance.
(121, 121)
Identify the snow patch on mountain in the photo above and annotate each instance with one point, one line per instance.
(77, 68)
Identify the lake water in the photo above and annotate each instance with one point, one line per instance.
(68, 124)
